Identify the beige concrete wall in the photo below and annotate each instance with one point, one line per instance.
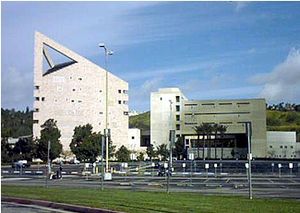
(231, 113)
(75, 95)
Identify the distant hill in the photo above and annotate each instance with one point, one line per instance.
(283, 121)
(141, 121)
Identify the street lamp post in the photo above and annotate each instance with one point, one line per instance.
(48, 164)
(249, 133)
(107, 53)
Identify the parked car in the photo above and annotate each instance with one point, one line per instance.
(163, 172)
(20, 164)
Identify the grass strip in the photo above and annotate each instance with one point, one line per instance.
(130, 201)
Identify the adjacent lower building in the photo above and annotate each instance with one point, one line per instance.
(170, 109)
(72, 90)
(282, 145)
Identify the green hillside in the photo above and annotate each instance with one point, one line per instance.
(283, 121)
(141, 121)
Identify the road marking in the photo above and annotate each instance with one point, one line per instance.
(5, 172)
(271, 181)
(39, 172)
(63, 173)
(227, 181)
(16, 172)
(73, 173)
(27, 172)
(12, 179)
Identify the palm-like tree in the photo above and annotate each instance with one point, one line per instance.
(208, 130)
(222, 130)
(215, 128)
(199, 131)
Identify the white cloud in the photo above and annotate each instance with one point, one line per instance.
(283, 82)
(240, 5)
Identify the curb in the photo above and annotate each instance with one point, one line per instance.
(53, 205)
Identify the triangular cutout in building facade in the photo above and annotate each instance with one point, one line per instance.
(54, 60)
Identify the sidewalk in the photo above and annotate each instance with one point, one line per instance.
(61, 206)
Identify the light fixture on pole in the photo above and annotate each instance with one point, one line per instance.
(106, 131)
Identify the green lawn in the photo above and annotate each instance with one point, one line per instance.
(129, 201)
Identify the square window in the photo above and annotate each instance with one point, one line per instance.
(36, 109)
(280, 147)
(35, 121)
(37, 87)
(72, 101)
(43, 98)
(177, 126)
(292, 147)
(120, 102)
(125, 113)
(177, 98)
(270, 146)
(285, 147)
(177, 117)
(37, 98)
(79, 79)
(161, 98)
(125, 91)
(120, 91)
(177, 108)
(132, 137)
(73, 90)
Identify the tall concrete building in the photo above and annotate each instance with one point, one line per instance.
(164, 105)
(185, 115)
(72, 91)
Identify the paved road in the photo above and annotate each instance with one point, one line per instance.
(19, 208)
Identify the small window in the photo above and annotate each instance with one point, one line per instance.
(177, 108)
(35, 121)
(120, 102)
(70, 77)
(125, 91)
(100, 90)
(160, 98)
(73, 90)
(37, 98)
(36, 109)
(101, 113)
(292, 147)
(79, 101)
(79, 79)
(125, 113)
(280, 147)
(271, 147)
(177, 136)
(187, 141)
(177, 117)
(120, 91)
(132, 137)
(280, 156)
(285, 147)
(72, 100)
(177, 126)
(177, 98)
(37, 87)
(291, 155)
(43, 98)
(125, 102)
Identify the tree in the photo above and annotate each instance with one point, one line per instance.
(123, 154)
(51, 133)
(179, 150)
(140, 157)
(215, 129)
(150, 152)
(199, 131)
(6, 151)
(85, 144)
(163, 151)
(25, 148)
(222, 130)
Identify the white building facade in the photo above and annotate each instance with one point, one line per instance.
(282, 145)
(165, 105)
(74, 93)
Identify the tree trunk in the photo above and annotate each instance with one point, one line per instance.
(215, 146)
(203, 147)
(198, 145)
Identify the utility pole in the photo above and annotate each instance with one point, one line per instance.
(102, 166)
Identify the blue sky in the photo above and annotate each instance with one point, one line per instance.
(208, 49)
